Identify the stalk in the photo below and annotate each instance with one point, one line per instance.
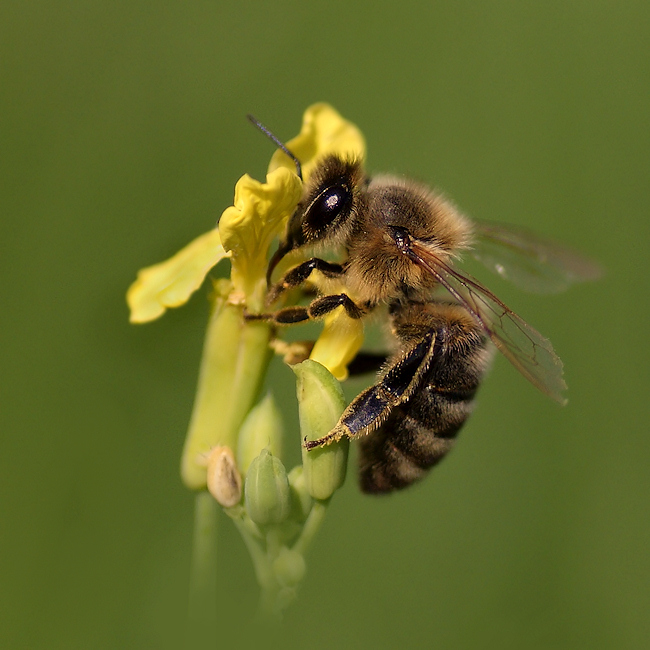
(236, 355)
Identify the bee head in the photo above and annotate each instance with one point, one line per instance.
(331, 197)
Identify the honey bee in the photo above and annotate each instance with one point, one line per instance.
(401, 242)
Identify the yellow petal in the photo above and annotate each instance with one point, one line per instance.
(249, 226)
(323, 132)
(171, 283)
(338, 343)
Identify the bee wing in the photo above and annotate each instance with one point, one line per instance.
(530, 261)
(526, 349)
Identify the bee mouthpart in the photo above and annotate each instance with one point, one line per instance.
(283, 249)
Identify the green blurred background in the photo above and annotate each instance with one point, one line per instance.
(122, 134)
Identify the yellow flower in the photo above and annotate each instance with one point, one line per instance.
(246, 229)
(339, 342)
(235, 355)
(249, 226)
(244, 234)
(323, 132)
(171, 283)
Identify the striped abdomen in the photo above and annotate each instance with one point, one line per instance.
(420, 431)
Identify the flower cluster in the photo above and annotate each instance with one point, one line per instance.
(233, 445)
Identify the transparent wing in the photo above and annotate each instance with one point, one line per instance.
(527, 350)
(529, 261)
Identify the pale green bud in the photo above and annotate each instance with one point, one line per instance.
(320, 403)
(301, 500)
(289, 567)
(235, 358)
(262, 428)
(266, 490)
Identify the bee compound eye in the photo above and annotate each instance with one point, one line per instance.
(328, 205)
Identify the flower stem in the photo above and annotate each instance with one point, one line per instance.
(311, 526)
(268, 609)
(202, 612)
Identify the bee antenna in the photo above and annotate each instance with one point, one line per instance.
(277, 142)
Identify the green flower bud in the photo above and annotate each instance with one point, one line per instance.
(301, 500)
(320, 403)
(262, 428)
(266, 491)
(236, 355)
(223, 479)
(289, 567)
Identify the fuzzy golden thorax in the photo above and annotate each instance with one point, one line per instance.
(377, 271)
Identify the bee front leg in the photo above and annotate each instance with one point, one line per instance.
(296, 276)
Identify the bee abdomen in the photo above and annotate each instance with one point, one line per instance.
(415, 437)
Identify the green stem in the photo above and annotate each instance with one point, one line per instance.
(202, 613)
(312, 524)
(258, 554)
(263, 564)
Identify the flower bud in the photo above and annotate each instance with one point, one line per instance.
(235, 359)
(266, 490)
(301, 500)
(320, 404)
(289, 567)
(262, 428)
(223, 478)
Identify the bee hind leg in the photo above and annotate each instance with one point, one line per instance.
(369, 410)
(366, 362)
